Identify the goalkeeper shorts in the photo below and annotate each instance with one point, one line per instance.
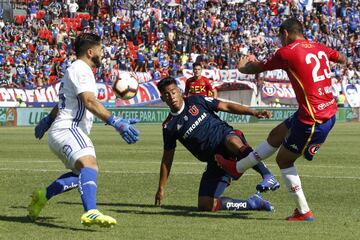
(70, 144)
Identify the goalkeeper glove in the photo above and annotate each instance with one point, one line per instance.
(43, 126)
(124, 126)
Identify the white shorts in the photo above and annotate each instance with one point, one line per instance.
(69, 145)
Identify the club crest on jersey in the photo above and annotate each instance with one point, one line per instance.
(314, 148)
(193, 110)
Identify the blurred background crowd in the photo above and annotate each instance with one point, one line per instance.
(164, 37)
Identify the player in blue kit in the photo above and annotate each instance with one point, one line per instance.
(194, 123)
(69, 125)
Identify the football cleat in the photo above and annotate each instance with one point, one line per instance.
(297, 216)
(95, 217)
(257, 202)
(268, 183)
(228, 165)
(38, 202)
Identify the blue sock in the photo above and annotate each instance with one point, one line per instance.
(64, 183)
(88, 187)
(233, 204)
(262, 169)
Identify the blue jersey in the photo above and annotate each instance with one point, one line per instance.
(197, 127)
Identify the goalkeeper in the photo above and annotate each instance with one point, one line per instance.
(70, 123)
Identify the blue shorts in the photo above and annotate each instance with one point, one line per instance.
(306, 139)
(215, 180)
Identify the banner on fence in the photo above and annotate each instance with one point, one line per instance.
(32, 116)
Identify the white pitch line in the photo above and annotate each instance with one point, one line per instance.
(176, 173)
(175, 162)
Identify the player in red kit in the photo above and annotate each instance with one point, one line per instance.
(199, 84)
(307, 64)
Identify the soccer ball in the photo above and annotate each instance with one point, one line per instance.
(126, 86)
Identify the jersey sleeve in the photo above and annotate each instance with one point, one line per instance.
(209, 87)
(333, 55)
(277, 61)
(187, 86)
(209, 103)
(169, 140)
(83, 81)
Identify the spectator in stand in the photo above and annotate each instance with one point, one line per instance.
(193, 28)
(73, 7)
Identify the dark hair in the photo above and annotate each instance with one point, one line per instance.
(163, 83)
(196, 64)
(84, 42)
(292, 26)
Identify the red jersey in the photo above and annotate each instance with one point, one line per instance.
(201, 86)
(308, 68)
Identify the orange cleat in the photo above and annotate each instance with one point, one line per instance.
(297, 216)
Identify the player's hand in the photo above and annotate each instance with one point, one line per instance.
(159, 197)
(242, 62)
(263, 114)
(125, 127)
(43, 126)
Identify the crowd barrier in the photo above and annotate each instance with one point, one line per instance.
(31, 116)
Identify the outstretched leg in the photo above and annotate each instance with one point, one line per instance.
(40, 196)
(213, 184)
(237, 144)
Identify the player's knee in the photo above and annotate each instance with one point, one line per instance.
(207, 204)
(87, 161)
(277, 135)
(234, 142)
(206, 208)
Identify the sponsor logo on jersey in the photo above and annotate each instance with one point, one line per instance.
(197, 89)
(179, 126)
(322, 106)
(313, 149)
(194, 125)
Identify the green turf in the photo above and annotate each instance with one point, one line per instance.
(129, 178)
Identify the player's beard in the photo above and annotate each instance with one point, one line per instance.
(96, 61)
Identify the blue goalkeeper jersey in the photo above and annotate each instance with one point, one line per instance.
(197, 127)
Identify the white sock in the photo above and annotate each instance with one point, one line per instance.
(261, 152)
(265, 150)
(246, 162)
(293, 184)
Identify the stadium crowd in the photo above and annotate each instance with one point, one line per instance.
(163, 37)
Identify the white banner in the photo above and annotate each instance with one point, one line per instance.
(232, 75)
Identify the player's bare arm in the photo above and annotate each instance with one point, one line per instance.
(94, 106)
(165, 167)
(215, 93)
(54, 112)
(248, 67)
(342, 59)
(236, 108)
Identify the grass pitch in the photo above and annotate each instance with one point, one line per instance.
(128, 182)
